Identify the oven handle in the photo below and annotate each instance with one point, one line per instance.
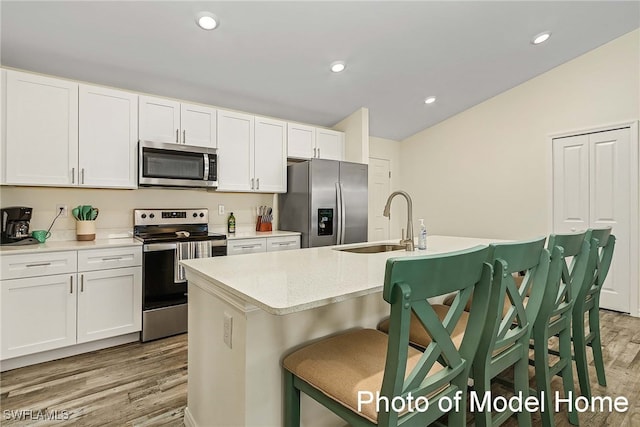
(154, 247)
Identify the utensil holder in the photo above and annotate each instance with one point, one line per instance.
(85, 230)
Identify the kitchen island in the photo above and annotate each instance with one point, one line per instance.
(246, 312)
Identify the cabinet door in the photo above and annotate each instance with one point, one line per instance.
(159, 120)
(301, 141)
(108, 135)
(41, 130)
(270, 156)
(38, 314)
(109, 303)
(329, 144)
(198, 125)
(246, 246)
(235, 151)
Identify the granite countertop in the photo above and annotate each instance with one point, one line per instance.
(69, 245)
(291, 281)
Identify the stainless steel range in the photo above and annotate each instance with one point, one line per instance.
(170, 235)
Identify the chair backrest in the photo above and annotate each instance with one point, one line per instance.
(574, 275)
(409, 281)
(502, 330)
(605, 242)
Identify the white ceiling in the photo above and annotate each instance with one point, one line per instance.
(272, 58)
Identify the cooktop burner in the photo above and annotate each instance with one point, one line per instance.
(173, 225)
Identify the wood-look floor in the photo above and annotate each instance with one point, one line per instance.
(145, 384)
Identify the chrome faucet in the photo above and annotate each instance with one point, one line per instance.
(408, 242)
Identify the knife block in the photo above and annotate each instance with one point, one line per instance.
(264, 226)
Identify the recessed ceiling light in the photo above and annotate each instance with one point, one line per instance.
(207, 20)
(541, 38)
(338, 66)
(430, 100)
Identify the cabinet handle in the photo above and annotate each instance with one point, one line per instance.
(250, 246)
(257, 183)
(73, 175)
(177, 135)
(318, 152)
(252, 180)
(315, 150)
(41, 264)
(82, 172)
(285, 244)
(71, 285)
(82, 283)
(113, 258)
(184, 136)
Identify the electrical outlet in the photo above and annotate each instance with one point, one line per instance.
(64, 213)
(228, 329)
(220, 209)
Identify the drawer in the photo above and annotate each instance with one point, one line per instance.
(32, 265)
(283, 243)
(246, 246)
(103, 259)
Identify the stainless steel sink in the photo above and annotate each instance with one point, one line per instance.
(374, 249)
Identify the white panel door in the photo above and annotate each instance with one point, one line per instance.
(109, 303)
(270, 155)
(235, 151)
(329, 144)
(38, 314)
(108, 136)
(198, 125)
(159, 120)
(379, 190)
(41, 130)
(301, 141)
(571, 184)
(594, 178)
(610, 182)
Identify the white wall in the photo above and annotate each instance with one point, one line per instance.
(388, 149)
(356, 136)
(116, 206)
(486, 171)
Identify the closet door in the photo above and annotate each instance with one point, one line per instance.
(594, 178)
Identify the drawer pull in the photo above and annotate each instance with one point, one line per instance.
(82, 283)
(285, 243)
(40, 264)
(71, 285)
(113, 258)
(250, 246)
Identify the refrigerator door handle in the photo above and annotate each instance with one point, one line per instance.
(339, 213)
(343, 215)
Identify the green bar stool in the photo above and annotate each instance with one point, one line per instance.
(554, 319)
(588, 302)
(336, 371)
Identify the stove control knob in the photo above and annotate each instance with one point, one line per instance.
(201, 215)
(143, 216)
(195, 215)
(151, 216)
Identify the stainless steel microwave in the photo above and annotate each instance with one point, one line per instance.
(176, 165)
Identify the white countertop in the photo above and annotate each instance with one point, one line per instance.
(291, 281)
(69, 245)
(250, 234)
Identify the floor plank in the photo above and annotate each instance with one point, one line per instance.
(146, 384)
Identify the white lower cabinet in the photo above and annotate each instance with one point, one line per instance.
(97, 294)
(262, 244)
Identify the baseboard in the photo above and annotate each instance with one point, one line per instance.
(188, 418)
(59, 353)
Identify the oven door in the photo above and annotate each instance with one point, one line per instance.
(176, 165)
(160, 289)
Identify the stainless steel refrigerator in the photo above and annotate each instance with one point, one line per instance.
(326, 201)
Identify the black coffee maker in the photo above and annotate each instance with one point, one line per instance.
(15, 226)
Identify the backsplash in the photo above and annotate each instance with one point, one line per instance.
(116, 207)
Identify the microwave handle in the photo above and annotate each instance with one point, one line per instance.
(206, 167)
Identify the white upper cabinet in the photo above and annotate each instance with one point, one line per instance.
(307, 142)
(270, 155)
(301, 141)
(108, 135)
(41, 130)
(165, 120)
(252, 153)
(235, 151)
(329, 144)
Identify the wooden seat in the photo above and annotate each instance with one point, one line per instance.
(332, 371)
(588, 302)
(554, 318)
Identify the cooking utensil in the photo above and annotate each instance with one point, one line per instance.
(86, 212)
(76, 213)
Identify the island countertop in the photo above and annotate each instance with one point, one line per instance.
(291, 281)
